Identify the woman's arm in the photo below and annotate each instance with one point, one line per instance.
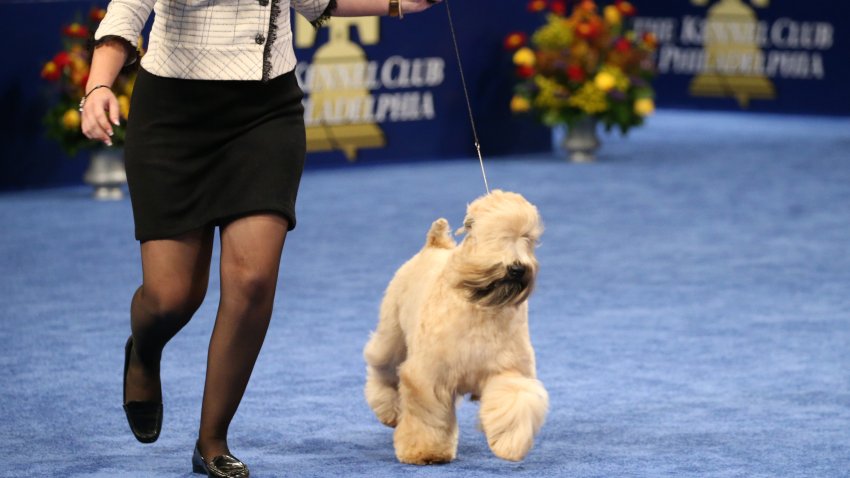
(365, 8)
(107, 60)
(116, 41)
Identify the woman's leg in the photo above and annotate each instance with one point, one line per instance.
(175, 273)
(250, 258)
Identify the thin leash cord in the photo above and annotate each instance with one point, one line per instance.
(466, 95)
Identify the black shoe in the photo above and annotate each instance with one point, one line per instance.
(222, 466)
(145, 418)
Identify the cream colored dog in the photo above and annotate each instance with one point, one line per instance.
(454, 320)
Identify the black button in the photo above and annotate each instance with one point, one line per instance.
(260, 39)
(263, 3)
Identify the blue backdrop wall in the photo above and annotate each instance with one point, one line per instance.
(388, 90)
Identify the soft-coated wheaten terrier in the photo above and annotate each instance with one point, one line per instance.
(454, 321)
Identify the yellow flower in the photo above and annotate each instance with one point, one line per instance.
(551, 94)
(124, 106)
(555, 35)
(71, 119)
(644, 106)
(612, 15)
(524, 57)
(604, 81)
(589, 99)
(129, 85)
(520, 104)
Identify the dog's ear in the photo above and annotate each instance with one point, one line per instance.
(467, 226)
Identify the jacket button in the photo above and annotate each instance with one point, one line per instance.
(263, 3)
(260, 39)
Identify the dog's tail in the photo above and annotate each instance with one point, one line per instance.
(440, 235)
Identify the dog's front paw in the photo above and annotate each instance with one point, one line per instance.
(414, 456)
(418, 444)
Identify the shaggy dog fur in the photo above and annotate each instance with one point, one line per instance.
(454, 321)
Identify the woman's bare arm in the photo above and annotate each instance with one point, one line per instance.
(101, 106)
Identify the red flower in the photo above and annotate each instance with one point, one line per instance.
(515, 40)
(97, 14)
(75, 30)
(575, 73)
(525, 71)
(62, 59)
(626, 8)
(50, 72)
(558, 7)
(536, 6)
(622, 45)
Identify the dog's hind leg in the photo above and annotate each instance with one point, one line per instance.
(385, 351)
(427, 429)
(513, 409)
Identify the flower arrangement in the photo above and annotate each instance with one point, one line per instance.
(67, 73)
(585, 64)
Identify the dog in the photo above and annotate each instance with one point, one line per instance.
(454, 321)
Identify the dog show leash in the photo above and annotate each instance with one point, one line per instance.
(466, 95)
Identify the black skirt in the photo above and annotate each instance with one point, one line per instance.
(203, 152)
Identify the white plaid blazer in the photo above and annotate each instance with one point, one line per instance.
(211, 39)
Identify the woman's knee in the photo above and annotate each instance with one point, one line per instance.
(172, 301)
(252, 286)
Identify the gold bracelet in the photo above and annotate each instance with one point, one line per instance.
(395, 9)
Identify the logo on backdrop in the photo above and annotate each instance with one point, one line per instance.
(348, 96)
(732, 53)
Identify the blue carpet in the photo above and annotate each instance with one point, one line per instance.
(692, 316)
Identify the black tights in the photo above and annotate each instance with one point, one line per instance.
(175, 280)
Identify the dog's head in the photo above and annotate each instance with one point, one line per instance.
(495, 263)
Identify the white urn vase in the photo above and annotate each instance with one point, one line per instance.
(581, 141)
(106, 173)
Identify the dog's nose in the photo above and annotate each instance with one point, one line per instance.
(516, 271)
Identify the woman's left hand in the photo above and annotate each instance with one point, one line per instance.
(414, 6)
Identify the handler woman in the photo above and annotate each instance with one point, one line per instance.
(216, 139)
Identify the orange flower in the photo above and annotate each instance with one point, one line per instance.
(97, 14)
(75, 30)
(650, 40)
(587, 6)
(588, 29)
(51, 72)
(536, 6)
(515, 40)
(626, 8)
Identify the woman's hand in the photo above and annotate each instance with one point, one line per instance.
(415, 6)
(99, 113)
(366, 8)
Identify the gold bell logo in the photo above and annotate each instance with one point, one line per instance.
(338, 87)
(733, 60)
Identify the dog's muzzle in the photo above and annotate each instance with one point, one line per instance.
(513, 288)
